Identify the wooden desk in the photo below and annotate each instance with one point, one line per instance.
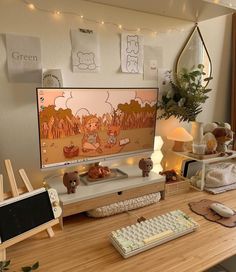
(83, 245)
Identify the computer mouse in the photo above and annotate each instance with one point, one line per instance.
(222, 210)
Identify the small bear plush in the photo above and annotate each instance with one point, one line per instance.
(71, 181)
(146, 166)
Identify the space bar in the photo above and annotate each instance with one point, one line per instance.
(158, 236)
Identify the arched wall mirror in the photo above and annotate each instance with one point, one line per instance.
(193, 53)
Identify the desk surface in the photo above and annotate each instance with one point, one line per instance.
(83, 245)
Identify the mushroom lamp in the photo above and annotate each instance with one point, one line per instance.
(179, 135)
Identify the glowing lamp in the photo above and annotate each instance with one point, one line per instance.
(180, 136)
(157, 154)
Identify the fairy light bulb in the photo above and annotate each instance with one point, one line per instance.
(120, 26)
(102, 22)
(81, 16)
(31, 6)
(57, 12)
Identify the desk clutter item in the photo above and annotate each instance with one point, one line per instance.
(115, 174)
(125, 205)
(220, 174)
(181, 186)
(203, 208)
(136, 238)
(71, 181)
(146, 165)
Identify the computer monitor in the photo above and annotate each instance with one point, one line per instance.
(86, 125)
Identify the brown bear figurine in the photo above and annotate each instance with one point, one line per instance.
(146, 166)
(71, 181)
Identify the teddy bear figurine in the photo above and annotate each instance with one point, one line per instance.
(146, 166)
(71, 181)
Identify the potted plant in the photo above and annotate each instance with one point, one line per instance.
(186, 95)
(184, 99)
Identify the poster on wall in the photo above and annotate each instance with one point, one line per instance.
(85, 51)
(23, 58)
(52, 78)
(131, 53)
(152, 62)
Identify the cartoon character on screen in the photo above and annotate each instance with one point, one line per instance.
(112, 132)
(91, 140)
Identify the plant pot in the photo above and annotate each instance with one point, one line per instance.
(197, 132)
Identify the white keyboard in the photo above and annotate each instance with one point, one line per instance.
(139, 237)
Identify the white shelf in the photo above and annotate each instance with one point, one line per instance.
(190, 10)
(85, 192)
(206, 161)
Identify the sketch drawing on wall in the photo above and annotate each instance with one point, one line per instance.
(132, 54)
(85, 51)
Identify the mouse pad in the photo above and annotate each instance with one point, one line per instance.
(203, 208)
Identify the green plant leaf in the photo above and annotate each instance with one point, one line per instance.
(26, 269)
(35, 266)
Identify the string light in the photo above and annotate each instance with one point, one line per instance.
(31, 6)
(81, 16)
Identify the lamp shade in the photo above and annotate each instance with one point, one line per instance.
(180, 136)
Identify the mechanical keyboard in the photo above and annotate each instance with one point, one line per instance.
(147, 234)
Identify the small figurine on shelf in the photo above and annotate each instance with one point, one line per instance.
(171, 175)
(146, 166)
(222, 135)
(71, 181)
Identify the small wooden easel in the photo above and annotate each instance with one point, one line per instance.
(15, 191)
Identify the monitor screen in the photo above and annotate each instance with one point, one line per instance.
(81, 125)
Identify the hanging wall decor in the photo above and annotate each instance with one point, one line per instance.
(23, 58)
(132, 53)
(194, 52)
(85, 51)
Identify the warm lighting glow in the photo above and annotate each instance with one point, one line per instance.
(31, 6)
(180, 136)
(57, 12)
(102, 22)
(157, 154)
(81, 16)
(138, 29)
(120, 26)
(158, 143)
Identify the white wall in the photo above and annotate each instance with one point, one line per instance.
(18, 117)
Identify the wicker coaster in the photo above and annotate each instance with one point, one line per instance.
(203, 208)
